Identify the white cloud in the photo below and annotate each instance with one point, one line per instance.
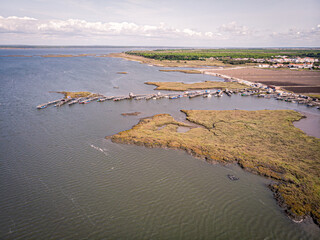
(19, 29)
(235, 29)
(17, 24)
(81, 27)
(294, 34)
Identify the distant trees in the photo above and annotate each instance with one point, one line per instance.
(225, 55)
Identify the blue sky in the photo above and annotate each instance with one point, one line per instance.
(201, 23)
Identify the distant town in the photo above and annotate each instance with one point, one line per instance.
(284, 62)
(263, 58)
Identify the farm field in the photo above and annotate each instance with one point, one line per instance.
(291, 80)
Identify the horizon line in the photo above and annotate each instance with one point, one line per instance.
(138, 46)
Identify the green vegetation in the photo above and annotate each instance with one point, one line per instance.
(180, 86)
(314, 95)
(224, 54)
(264, 142)
(122, 72)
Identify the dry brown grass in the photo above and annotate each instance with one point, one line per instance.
(183, 71)
(264, 142)
(67, 55)
(131, 114)
(75, 94)
(180, 86)
(167, 63)
(314, 95)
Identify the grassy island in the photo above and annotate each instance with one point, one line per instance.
(180, 86)
(264, 142)
(183, 71)
(66, 55)
(131, 114)
(75, 94)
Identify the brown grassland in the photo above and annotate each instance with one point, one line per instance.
(314, 95)
(183, 71)
(180, 86)
(75, 94)
(168, 63)
(131, 114)
(67, 55)
(292, 80)
(264, 142)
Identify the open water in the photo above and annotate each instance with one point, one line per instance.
(61, 179)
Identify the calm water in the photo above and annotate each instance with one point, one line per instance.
(60, 178)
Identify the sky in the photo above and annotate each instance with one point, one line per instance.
(177, 23)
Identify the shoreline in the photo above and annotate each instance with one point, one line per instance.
(167, 63)
(153, 131)
(276, 188)
(214, 70)
(281, 84)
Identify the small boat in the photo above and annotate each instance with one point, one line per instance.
(62, 102)
(73, 101)
(85, 101)
(194, 95)
(42, 106)
(174, 97)
(139, 98)
(102, 99)
(119, 99)
(232, 177)
(149, 97)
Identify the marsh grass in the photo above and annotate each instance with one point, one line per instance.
(264, 142)
(180, 86)
(183, 71)
(75, 94)
(67, 55)
(131, 114)
(314, 95)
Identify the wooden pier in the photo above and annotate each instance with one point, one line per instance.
(261, 93)
(49, 103)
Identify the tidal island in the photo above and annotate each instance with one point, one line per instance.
(180, 86)
(264, 142)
